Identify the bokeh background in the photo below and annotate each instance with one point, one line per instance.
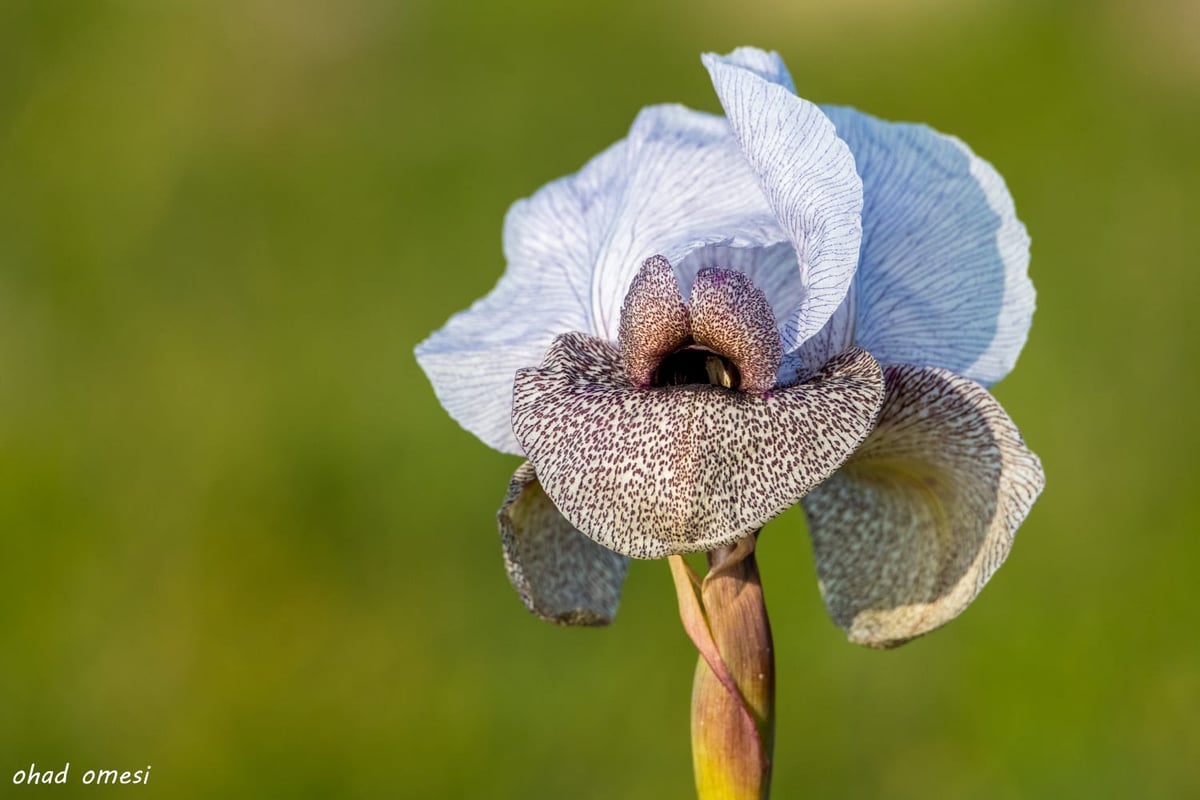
(241, 542)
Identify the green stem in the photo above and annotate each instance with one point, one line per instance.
(733, 695)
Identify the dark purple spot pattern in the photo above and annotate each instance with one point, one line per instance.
(654, 320)
(907, 533)
(732, 317)
(561, 575)
(650, 472)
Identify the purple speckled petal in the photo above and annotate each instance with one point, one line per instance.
(731, 316)
(650, 472)
(654, 320)
(907, 533)
(561, 575)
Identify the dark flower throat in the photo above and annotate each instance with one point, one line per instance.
(696, 365)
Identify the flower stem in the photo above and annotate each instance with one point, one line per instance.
(733, 694)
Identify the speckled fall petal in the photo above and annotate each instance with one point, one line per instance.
(561, 575)
(654, 320)
(732, 317)
(650, 472)
(907, 533)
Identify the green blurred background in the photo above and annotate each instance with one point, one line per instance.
(241, 542)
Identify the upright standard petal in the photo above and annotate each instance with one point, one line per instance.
(907, 533)
(943, 278)
(650, 472)
(766, 64)
(678, 182)
(561, 575)
(683, 185)
(836, 336)
(807, 174)
(550, 243)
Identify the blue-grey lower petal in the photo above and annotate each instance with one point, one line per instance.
(907, 533)
(561, 575)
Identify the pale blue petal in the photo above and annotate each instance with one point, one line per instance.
(548, 243)
(683, 185)
(767, 64)
(676, 183)
(471, 360)
(807, 174)
(833, 338)
(943, 278)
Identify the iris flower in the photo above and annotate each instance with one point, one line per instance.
(721, 316)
